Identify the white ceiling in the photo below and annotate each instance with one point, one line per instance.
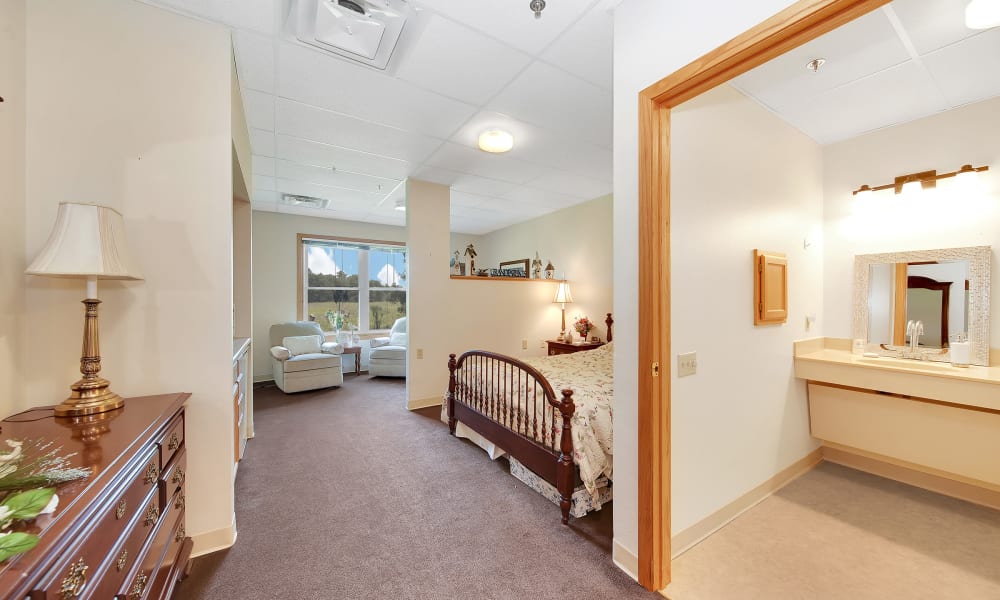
(323, 126)
(906, 60)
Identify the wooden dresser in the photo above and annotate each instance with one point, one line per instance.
(557, 347)
(119, 534)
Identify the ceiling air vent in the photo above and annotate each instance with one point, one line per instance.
(309, 201)
(362, 30)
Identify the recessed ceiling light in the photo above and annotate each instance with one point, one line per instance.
(496, 140)
(982, 14)
(400, 205)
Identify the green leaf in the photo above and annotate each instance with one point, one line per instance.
(16, 543)
(27, 505)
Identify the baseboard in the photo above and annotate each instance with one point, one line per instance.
(625, 560)
(976, 492)
(215, 540)
(685, 540)
(424, 403)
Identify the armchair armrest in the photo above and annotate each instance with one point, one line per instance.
(332, 348)
(379, 341)
(280, 353)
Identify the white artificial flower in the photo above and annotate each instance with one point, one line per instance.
(51, 506)
(13, 454)
(5, 519)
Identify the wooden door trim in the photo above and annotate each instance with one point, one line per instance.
(790, 28)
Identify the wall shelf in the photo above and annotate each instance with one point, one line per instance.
(523, 279)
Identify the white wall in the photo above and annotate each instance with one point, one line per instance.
(275, 270)
(652, 39)
(130, 107)
(947, 217)
(744, 416)
(12, 260)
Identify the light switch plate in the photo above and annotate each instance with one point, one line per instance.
(420, 353)
(687, 364)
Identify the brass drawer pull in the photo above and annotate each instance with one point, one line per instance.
(179, 502)
(178, 477)
(120, 564)
(139, 586)
(152, 473)
(73, 584)
(120, 511)
(174, 442)
(152, 514)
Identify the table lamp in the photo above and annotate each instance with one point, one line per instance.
(87, 241)
(563, 296)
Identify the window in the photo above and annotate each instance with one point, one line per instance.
(353, 284)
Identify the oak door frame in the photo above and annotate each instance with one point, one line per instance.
(788, 29)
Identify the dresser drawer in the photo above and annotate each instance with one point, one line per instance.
(172, 439)
(140, 579)
(165, 575)
(124, 557)
(173, 477)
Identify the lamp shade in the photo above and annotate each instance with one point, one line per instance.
(86, 241)
(563, 294)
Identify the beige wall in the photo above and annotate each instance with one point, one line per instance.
(947, 217)
(275, 270)
(130, 107)
(651, 40)
(12, 261)
(743, 417)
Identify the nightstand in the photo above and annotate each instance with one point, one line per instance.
(557, 347)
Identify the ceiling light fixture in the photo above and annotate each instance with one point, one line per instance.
(401, 205)
(299, 200)
(815, 64)
(923, 180)
(496, 141)
(537, 6)
(982, 14)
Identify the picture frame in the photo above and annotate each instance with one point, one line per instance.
(520, 265)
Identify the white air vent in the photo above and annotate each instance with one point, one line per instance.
(361, 30)
(310, 201)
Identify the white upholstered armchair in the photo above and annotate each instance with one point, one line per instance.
(301, 359)
(388, 357)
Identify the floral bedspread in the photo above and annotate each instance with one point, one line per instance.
(590, 375)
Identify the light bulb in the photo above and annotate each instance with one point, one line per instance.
(911, 188)
(496, 141)
(982, 14)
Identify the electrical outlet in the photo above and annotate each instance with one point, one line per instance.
(542, 344)
(524, 344)
(687, 364)
(420, 353)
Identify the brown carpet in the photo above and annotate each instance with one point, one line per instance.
(836, 533)
(346, 494)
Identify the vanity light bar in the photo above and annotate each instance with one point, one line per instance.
(927, 179)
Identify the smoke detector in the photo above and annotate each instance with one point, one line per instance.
(308, 201)
(365, 31)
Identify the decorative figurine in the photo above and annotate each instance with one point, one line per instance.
(550, 271)
(471, 253)
(536, 267)
(455, 264)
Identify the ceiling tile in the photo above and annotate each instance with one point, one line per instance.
(512, 22)
(586, 50)
(572, 185)
(554, 99)
(310, 122)
(476, 162)
(259, 108)
(263, 165)
(255, 61)
(338, 178)
(456, 61)
(534, 197)
(963, 80)
(862, 47)
(464, 182)
(325, 155)
(320, 80)
(263, 183)
(262, 142)
(932, 24)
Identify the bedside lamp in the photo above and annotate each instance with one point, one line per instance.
(87, 241)
(563, 296)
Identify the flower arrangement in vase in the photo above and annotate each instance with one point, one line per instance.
(583, 326)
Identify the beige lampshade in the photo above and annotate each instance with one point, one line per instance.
(563, 294)
(86, 241)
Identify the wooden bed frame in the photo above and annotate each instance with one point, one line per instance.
(486, 408)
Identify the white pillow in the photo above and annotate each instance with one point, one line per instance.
(397, 339)
(302, 344)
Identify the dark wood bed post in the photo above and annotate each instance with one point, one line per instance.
(609, 322)
(451, 393)
(564, 468)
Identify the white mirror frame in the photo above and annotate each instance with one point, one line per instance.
(979, 295)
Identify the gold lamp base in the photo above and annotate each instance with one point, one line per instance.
(89, 397)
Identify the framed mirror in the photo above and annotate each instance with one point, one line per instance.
(947, 290)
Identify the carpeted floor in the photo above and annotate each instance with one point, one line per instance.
(345, 494)
(840, 534)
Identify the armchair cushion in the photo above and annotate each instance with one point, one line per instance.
(331, 348)
(302, 344)
(379, 341)
(397, 339)
(312, 362)
(281, 353)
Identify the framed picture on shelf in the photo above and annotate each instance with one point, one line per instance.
(515, 268)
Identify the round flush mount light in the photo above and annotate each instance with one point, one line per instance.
(982, 14)
(496, 140)
(400, 205)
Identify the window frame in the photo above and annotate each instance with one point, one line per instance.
(363, 264)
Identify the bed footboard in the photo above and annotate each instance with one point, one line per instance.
(510, 403)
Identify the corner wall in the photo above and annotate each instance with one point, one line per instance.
(130, 107)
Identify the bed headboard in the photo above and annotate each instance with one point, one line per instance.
(609, 322)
